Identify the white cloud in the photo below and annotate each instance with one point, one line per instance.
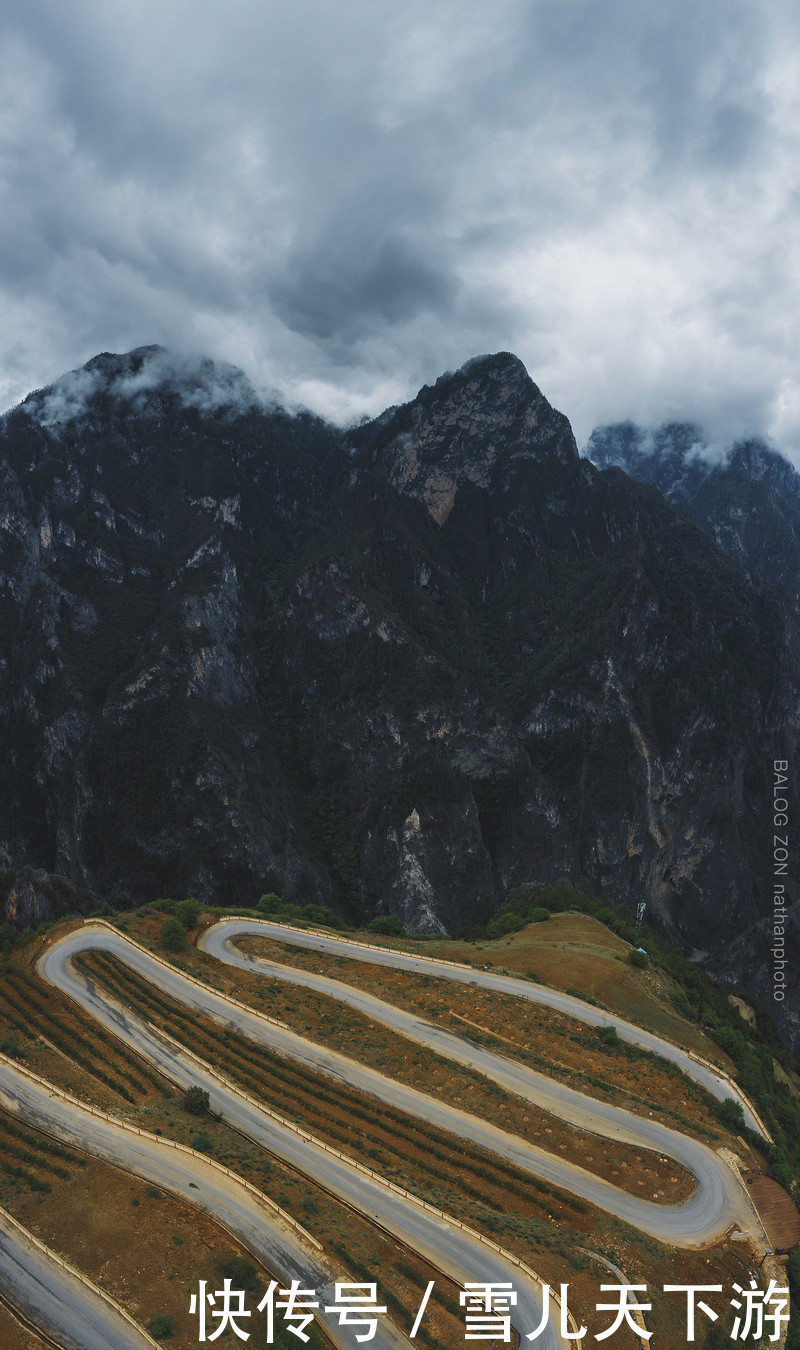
(199, 383)
(347, 200)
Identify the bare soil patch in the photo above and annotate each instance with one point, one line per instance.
(14, 1336)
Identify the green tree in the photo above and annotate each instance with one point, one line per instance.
(241, 1273)
(161, 1327)
(172, 934)
(188, 912)
(504, 924)
(389, 924)
(731, 1114)
(638, 958)
(196, 1100)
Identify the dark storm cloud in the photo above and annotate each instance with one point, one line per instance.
(327, 292)
(346, 199)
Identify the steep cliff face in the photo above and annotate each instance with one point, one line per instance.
(748, 961)
(140, 504)
(559, 672)
(747, 499)
(398, 667)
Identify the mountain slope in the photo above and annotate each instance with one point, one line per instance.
(397, 667)
(747, 501)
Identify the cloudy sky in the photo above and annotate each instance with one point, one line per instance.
(348, 197)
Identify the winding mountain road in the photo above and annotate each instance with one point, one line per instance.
(218, 941)
(449, 1246)
(283, 1247)
(719, 1199)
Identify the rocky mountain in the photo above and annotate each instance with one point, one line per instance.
(746, 498)
(400, 667)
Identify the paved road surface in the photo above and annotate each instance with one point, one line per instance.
(451, 1250)
(718, 1200)
(60, 1301)
(57, 1302)
(196, 1180)
(719, 1086)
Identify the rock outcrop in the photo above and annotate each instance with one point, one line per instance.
(400, 667)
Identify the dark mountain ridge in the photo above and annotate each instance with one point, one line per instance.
(747, 499)
(399, 667)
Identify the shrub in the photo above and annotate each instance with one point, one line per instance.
(731, 1115)
(682, 1003)
(188, 912)
(388, 924)
(608, 1035)
(780, 1168)
(161, 1327)
(559, 896)
(538, 914)
(195, 1101)
(240, 1272)
(10, 1046)
(270, 903)
(504, 924)
(319, 914)
(172, 934)
(202, 1142)
(637, 957)
(732, 1040)
(578, 993)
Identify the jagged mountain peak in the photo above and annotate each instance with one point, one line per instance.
(136, 380)
(468, 427)
(673, 457)
(759, 460)
(398, 666)
(746, 496)
(500, 367)
(114, 364)
(677, 457)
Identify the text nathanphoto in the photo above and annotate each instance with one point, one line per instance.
(780, 874)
